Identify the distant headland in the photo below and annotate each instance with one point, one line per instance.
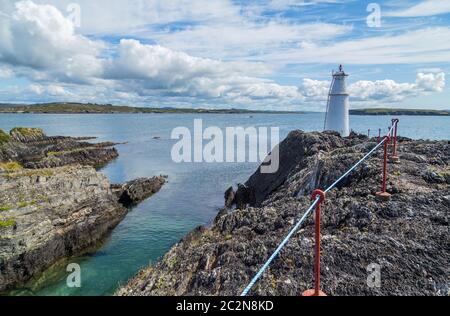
(422, 112)
(91, 108)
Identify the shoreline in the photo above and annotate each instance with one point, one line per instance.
(220, 259)
(54, 204)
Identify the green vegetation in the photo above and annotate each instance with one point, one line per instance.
(399, 112)
(32, 173)
(4, 138)
(66, 152)
(27, 132)
(54, 153)
(7, 222)
(25, 204)
(396, 173)
(4, 208)
(90, 108)
(172, 262)
(10, 166)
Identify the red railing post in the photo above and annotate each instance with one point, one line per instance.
(316, 291)
(384, 195)
(394, 157)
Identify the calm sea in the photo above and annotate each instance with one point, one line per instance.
(194, 192)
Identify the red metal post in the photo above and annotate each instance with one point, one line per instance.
(317, 291)
(394, 153)
(385, 166)
(383, 195)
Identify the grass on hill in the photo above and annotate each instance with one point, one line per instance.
(11, 166)
(7, 222)
(386, 111)
(4, 138)
(90, 108)
(27, 132)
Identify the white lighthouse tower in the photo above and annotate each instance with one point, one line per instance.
(337, 116)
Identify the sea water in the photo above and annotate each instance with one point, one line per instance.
(193, 194)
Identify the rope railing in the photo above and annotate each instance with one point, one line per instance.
(317, 200)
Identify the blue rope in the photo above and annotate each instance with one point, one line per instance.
(300, 222)
(280, 247)
(355, 166)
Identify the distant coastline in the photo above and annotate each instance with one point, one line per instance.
(418, 112)
(90, 108)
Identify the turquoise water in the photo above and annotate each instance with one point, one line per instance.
(194, 192)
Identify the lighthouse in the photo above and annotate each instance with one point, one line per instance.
(337, 115)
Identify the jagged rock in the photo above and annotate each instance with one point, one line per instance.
(56, 213)
(136, 191)
(34, 150)
(407, 236)
(244, 196)
(47, 214)
(433, 177)
(27, 135)
(229, 197)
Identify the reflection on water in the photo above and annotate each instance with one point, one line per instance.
(193, 194)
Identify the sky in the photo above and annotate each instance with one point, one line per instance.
(263, 55)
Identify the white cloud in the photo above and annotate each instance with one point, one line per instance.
(40, 43)
(39, 36)
(169, 68)
(5, 72)
(41, 39)
(432, 82)
(51, 90)
(147, 69)
(315, 89)
(424, 8)
(380, 90)
(419, 46)
(247, 39)
(217, 29)
(128, 16)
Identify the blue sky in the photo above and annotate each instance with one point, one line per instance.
(219, 53)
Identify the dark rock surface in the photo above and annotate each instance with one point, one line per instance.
(229, 197)
(34, 150)
(47, 214)
(136, 191)
(57, 213)
(408, 237)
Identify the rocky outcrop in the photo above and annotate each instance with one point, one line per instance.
(138, 190)
(33, 149)
(229, 197)
(407, 237)
(27, 135)
(47, 214)
(50, 214)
